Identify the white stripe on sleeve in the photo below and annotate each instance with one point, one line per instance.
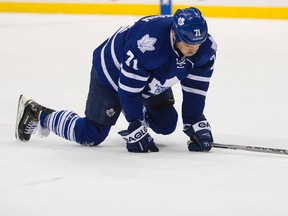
(103, 64)
(198, 78)
(194, 91)
(133, 76)
(130, 89)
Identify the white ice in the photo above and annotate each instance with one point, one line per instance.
(48, 58)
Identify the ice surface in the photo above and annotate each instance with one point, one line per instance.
(48, 58)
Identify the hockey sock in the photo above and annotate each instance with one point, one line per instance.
(70, 126)
(61, 123)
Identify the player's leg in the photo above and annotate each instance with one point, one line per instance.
(160, 114)
(70, 126)
(34, 117)
(102, 111)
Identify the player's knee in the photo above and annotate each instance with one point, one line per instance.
(165, 121)
(165, 129)
(88, 133)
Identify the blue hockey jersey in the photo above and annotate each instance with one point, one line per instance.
(140, 61)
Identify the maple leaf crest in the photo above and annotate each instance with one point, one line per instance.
(146, 43)
(181, 21)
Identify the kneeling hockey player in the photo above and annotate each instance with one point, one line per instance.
(133, 71)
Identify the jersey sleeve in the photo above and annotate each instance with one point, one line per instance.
(196, 84)
(132, 80)
(141, 57)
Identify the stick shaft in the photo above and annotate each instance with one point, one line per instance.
(251, 148)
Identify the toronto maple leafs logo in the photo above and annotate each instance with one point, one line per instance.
(159, 89)
(146, 43)
(156, 87)
(110, 112)
(180, 63)
(181, 21)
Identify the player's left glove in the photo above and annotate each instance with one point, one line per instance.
(201, 138)
(138, 139)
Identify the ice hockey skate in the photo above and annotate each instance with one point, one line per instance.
(28, 116)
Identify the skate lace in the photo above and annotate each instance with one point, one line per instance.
(31, 127)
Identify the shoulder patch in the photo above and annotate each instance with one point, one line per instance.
(146, 43)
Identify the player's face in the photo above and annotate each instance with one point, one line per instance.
(187, 49)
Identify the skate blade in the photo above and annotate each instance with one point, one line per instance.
(21, 106)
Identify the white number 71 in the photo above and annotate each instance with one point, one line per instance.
(197, 32)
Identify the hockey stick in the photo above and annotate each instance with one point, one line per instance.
(251, 148)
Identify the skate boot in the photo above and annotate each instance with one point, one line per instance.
(28, 116)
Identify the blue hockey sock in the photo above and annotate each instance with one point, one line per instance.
(70, 126)
(61, 123)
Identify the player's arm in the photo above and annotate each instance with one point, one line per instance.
(132, 81)
(194, 89)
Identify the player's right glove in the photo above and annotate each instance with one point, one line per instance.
(138, 139)
(200, 136)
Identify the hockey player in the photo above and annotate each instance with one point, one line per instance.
(133, 72)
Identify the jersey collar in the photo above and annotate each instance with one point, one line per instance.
(172, 43)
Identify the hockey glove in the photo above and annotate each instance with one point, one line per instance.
(138, 139)
(200, 136)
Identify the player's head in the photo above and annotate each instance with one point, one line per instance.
(189, 26)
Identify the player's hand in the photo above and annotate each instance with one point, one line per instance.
(138, 139)
(201, 138)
